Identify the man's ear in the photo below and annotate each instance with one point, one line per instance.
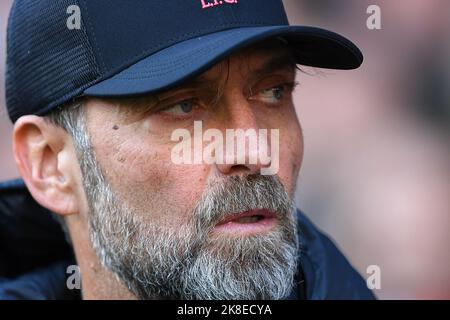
(46, 159)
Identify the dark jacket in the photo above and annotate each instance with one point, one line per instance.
(34, 256)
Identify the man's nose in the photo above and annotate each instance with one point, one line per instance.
(242, 140)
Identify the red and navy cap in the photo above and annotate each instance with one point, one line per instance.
(129, 48)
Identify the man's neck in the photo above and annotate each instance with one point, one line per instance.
(99, 283)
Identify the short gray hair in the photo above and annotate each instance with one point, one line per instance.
(67, 116)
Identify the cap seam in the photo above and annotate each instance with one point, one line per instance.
(180, 61)
(162, 45)
(95, 42)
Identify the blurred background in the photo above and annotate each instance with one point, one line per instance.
(376, 171)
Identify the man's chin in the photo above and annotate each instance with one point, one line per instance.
(252, 267)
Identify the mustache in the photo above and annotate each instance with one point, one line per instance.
(237, 194)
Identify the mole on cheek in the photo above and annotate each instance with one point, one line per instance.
(115, 127)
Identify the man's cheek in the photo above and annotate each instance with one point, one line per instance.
(296, 153)
(291, 154)
(149, 182)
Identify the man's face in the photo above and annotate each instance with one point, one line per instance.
(155, 220)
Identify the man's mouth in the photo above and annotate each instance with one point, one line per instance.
(252, 221)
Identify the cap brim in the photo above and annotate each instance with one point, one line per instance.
(171, 66)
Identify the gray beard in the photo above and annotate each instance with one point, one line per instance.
(188, 262)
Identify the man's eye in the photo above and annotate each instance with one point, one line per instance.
(181, 108)
(275, 94)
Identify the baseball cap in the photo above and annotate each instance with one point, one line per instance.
(128, 48)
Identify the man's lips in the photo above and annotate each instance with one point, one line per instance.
(256, 214)
(252, 221)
